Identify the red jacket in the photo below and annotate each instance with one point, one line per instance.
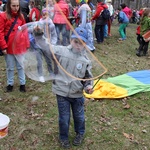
(11, 46)
(35, 15)
(100, 6)
(61, 12)
(138, 29)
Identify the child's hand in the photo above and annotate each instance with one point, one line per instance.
(89, 89)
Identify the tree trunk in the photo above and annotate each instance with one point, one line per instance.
(128, 3)
(148, 3)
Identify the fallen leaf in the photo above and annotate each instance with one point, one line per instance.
(129, 136)
(127, 106)
(144, 131)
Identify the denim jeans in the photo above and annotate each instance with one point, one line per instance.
(61, 28)
(11, 61)
(99, 32)
(106, 30)
(48, 58)
(65, 105)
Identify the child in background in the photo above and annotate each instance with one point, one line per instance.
(35, 38)
(144, 27)
(139, 37)
(123, 20)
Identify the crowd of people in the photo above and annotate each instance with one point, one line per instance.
(62, 16)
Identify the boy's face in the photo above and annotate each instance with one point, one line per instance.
(38, 30)
(77, 45)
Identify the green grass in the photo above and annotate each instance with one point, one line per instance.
(109, 125)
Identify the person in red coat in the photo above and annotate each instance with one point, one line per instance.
(61, 13)
(9, 48)
(100, 22)
(35, 14)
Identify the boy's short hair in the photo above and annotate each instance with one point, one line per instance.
(38, 29)
(80, 33)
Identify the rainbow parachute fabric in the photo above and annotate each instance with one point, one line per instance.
(122, 86)
(80, 1)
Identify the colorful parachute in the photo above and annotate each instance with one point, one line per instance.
(122, 86)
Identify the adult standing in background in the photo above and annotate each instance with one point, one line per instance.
(100, 21)
(35, 14)
(12, 15)
(61, 13)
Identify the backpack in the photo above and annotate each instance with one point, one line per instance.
(105, 14)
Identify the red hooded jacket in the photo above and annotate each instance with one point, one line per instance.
(99, 8)
(11, 46)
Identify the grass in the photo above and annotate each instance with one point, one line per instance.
(110, 125)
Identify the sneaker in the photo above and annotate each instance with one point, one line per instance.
(78, 139)
(22, 88)
(9, 88)
(121, 39)
(65, 144)
(41, 79)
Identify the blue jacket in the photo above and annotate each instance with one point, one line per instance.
(122, 17)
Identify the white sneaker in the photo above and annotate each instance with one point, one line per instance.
(41, 79)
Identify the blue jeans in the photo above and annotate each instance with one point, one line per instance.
(106, 30)
(77, 106)
(48, 58)
(61, 28)
(99, 32)
(11, 61)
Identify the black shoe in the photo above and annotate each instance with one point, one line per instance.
(138, 53)
(9, 88)
(78, 139)
(22, 88)
(65, 144)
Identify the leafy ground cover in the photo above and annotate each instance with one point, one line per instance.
(120, 124)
